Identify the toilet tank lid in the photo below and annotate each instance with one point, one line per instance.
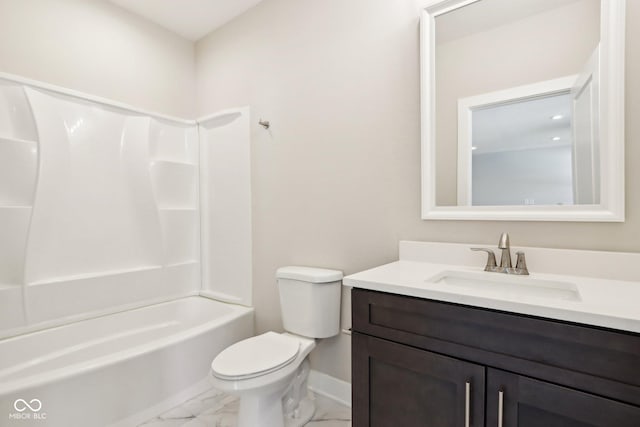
(309, 274)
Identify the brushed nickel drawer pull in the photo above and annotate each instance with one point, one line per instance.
(467, 402)
(500, 407)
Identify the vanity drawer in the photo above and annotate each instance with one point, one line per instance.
(597, 360)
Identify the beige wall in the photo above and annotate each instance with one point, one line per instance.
(95, 47)
(336, 182)
(338, 172)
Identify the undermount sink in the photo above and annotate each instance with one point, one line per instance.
(510, 286)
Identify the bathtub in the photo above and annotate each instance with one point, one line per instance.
(116, 370)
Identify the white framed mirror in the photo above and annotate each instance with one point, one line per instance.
(523, 110)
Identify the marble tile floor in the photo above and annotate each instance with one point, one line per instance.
(216, 409)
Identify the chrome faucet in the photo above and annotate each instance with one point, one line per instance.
(505, 259)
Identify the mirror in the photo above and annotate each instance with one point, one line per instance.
(522, 110)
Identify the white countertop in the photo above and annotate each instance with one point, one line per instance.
(603, 302)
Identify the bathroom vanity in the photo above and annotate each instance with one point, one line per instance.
(432, 352)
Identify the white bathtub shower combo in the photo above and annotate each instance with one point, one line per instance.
(123, 367)
(115, 224)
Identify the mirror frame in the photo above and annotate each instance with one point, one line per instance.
(612, 91)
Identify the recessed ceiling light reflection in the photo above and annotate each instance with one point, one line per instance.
(557, 117)
(555, 138)
(474, 148)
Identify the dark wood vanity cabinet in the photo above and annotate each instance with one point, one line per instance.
(418, 362)
(398, 385)
(532, 403)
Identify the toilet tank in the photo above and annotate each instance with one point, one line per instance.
(310, 300)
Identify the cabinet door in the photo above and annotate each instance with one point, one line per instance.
(531, 403)
(396, 385)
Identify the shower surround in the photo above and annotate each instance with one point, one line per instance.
(100, 213)
(99, 208)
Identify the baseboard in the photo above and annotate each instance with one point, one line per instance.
(330, 387)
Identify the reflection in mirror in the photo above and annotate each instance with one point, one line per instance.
(524, 150)
(505, 52)
(515, 109)
(528, 142)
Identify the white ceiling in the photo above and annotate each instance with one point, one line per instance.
(191, 19)
(522, 125)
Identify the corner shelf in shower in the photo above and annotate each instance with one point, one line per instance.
(174, 184)
(173, 161)
(173, 142)
(7, 138)
(18, 170)
(177, 209)
(180, 234)
(26, 208)
(184, 263)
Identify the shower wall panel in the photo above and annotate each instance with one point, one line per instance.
(225, 143)
(18, 172)
(98, 208)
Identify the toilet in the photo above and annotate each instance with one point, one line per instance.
(269, 371)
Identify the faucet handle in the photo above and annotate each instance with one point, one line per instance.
(504, 241)
(491, 258)
(521, 263)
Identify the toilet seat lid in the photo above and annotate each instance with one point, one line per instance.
(255, 356)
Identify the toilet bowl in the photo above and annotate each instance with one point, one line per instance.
(261, 370)
(269, 371)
